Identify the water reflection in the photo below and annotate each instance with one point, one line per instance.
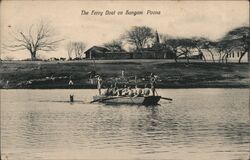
(185, 129)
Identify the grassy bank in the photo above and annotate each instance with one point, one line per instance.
(172, 75)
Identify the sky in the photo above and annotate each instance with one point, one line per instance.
(211, 19)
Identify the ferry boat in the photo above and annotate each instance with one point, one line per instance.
(147, 100)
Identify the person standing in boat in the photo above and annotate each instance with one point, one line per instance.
(99, 84)
(152, 83)
(71, 83)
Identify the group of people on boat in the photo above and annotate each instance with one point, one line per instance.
(113, 90)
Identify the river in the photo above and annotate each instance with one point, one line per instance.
(198, 124)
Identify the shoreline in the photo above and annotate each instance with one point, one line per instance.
(43, 75)
(241, 86)
(215, 87)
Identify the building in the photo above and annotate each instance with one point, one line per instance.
(155, 51)
(96, 52)
(192, 54)
(233, 56)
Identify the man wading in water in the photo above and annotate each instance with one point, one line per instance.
(71, 83)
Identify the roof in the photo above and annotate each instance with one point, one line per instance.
(97, 49)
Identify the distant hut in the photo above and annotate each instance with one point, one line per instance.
(96, 52)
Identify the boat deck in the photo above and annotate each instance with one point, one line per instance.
(148, 100)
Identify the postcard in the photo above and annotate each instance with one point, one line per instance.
(124, 80)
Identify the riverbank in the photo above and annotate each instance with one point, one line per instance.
(18, 74)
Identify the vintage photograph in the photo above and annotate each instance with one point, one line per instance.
(124, 80)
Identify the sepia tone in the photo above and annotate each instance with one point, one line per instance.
(124, 80)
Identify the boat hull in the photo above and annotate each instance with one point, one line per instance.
(149, 100)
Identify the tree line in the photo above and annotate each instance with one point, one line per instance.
(141, 37)
(42, 38)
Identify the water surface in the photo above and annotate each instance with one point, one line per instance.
(198, 124)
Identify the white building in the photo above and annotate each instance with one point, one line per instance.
(233, 57)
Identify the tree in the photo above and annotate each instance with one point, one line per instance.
(201, 43)
(114, 46)
(236, 39)
(223, 51)
(78, 48)
(38, 38)
(185, 46)
(208, 45)
(172, 45)
(198, 43)
(139, 36)
(180, 47)
(70, 49)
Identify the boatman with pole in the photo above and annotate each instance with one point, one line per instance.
(99, 84)
(153, 82)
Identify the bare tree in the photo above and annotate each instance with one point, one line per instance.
(75, 47)
(139, 36)
(114, 46)
(78, 48)
(70, 48)
(36, 38)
